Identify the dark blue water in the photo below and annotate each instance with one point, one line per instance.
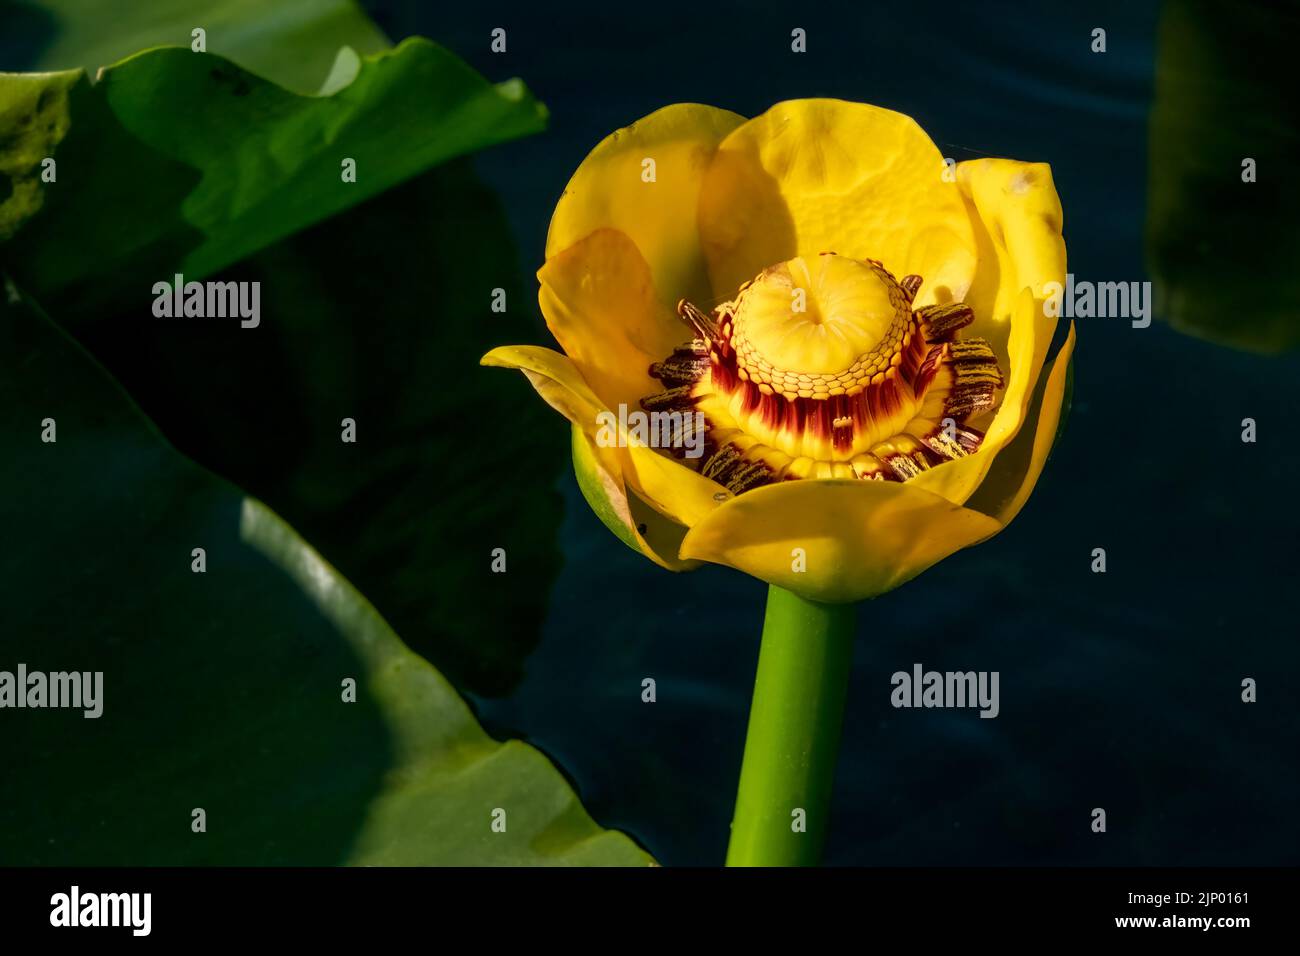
(1118, 690)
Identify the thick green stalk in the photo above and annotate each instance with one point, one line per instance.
(794, 733)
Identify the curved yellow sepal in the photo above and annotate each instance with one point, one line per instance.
(600, 478)
(599, 302)
(653, 202)
(1016, 213)
(1017, 470)
(555, 378)
(679, 494)
(823, 175)
(858, 538)
(1016, 206)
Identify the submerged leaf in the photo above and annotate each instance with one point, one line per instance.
(1221, 241)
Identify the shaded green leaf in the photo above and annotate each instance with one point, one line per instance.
(178, 162)
(293, 42)
(1222, 251)
(378, 313)
(362, 322)
(222, 689)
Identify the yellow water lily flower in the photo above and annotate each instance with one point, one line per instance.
(838, 334)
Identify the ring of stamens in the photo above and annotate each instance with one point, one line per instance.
(858, 385)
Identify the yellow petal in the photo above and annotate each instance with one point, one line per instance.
(600, 477)
(609, 190)
(1017, 218)
(1017, 470)
(859, 538)
(681, 494)
(600, 304)
(957, 480)
(678, 493)
(555, 378)
(813, 176)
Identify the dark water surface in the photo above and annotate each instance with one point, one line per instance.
(1118, 690)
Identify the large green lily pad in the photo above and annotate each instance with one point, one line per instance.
(223, 690)
(377, 313)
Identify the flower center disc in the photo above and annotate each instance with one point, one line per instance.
(802, 323)
(820, 368)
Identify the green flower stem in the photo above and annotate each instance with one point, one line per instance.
(794, 732)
